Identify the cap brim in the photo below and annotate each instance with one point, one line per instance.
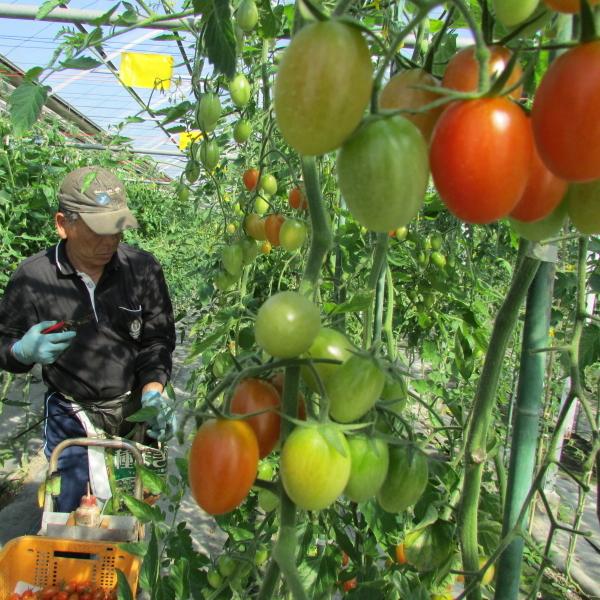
(109, 223)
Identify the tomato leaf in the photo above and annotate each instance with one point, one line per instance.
(179, 577)
(219, 38)
(47, 7)
(26, 103)
(140, 509)
(143, 415)
(359, 302)
(149, 570)
(154, 483)
(83, 63)
(135, 548)
(123, 589)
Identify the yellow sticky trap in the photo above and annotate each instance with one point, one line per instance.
(187, 137)
(140, 69)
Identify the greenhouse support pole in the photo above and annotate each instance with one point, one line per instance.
(526, 426)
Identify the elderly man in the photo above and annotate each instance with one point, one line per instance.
(96, 314)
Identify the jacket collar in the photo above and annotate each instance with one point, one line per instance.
(64, 266)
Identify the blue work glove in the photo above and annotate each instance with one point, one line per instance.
(43, 348)
(163, 425)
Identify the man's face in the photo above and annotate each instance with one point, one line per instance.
(84, 245)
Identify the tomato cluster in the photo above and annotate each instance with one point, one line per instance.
(72, 590)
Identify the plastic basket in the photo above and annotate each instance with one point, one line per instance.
(44, 561)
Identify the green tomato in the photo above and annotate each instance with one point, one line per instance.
(209, 154)
(292, 235)
(406, 479)
(242, 130)
(287, 324)
(221, 364)
(323, 86)
(545, 228)
(208, 112)
(383, 172)
(261, 556)
(513, 12)
(268, 184)
(240, 90)
(265, 470)
(261, 206)
(370, 460)
(428, 548)
(436, 241)
(246, 16)
(331, 344)
(583, 205)
(267, 500)
(183, 193)
(394, 394)
(438, 259)
(224, 281)
(232, 258)
(214, 578)
(226, 565)
(354, 388)
(249, 250)
(315, 465)
(401, 233)
(192, 170)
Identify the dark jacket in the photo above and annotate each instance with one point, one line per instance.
(127, 343)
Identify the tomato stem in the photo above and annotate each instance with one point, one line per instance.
(482, 410)
(379, 260)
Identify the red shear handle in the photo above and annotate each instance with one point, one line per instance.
(54, 328)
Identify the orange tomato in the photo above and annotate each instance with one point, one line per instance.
(250, 179)
(273, 225)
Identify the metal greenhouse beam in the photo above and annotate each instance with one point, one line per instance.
(90, 17)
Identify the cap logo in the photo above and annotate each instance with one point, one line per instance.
(102, 198)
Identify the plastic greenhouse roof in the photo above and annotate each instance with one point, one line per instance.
(97, 93)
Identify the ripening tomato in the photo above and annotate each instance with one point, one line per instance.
(250, 179)
(567, 6)
(222, 464)
(253, 396)
(542, 194)
(383, 173)
(297, 199)
(565, 116)
(583, 205)
(400, 554)
(406, 479)
(255, 227)
(462, 72)
(292, 235)
(513, 12)
(350, 584)
(403, 91)
(323, 86)
(265, 247)
(369, 459)
(268, 184)
(273, 225)
(287, 324)
(542, 229)
(315, 465)
(481, 157)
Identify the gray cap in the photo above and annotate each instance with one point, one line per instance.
(99, 198)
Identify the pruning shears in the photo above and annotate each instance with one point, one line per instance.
(67, 325)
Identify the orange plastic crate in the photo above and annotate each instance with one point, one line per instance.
(44, 561)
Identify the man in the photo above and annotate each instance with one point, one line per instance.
(117, 357)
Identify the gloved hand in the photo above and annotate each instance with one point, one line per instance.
(43, 348)
(163, 425)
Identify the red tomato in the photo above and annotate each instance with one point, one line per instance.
(462, 72)
(350, 584)
(250, 178)
(28, 594)
(297, 199)
(565, 114)
(273, 225)
(542, 194)
(567, 6)
(255, 395)
(86, 596)
(222, 464)
(62, 595)
(49, 592)
(480, 158)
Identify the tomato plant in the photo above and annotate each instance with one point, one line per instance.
(222, 464)
(462, 72)
(369, 464)
(250, 179)
(292, 235)
(323, 86)
(480, 158)
(315, 465)
(253, 396)
(383, 173)
(565, 122)
(404, 91)
(354, 388)
(287, 324)
(328, 344)
(406, 479)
